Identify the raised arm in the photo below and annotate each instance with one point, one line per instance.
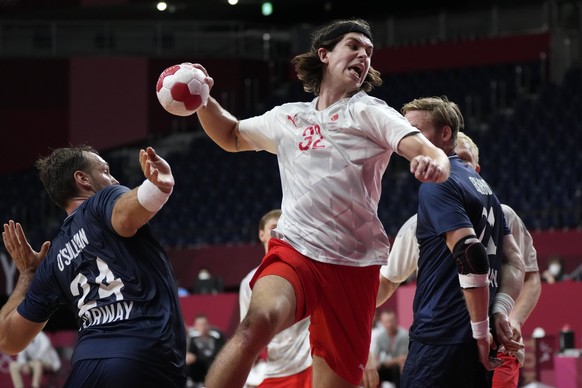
(427, 162)
(219, 124)
(221, 127)
(135, 208)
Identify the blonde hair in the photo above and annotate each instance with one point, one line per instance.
(443, 112)
(275, 213)
(463, 138)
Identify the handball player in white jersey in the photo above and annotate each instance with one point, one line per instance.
(288, 354)
(324, 257)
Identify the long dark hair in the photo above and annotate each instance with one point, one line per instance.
(308, 65)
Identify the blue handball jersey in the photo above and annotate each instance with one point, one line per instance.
(121, 290)
(464, 200)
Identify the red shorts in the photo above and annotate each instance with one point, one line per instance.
(506, 375)
(299, 380)
(341, 301)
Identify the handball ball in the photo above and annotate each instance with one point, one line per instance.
(181, 89)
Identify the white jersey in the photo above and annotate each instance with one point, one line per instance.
(289, 352)
(522, 238)
(40, 349)
(403, 259)
(331, 164)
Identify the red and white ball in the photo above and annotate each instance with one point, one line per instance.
(182, 90)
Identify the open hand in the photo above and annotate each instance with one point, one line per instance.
(25, 258)
(156, 169)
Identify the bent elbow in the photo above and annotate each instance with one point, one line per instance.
(124, 224)
(126, 229)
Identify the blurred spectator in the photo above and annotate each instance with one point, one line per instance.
(391, 348)
(204, 344)
(39, 356)
(555, 271)
(206, 283)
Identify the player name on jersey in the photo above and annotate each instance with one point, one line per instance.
(72, 249)
(481, 185)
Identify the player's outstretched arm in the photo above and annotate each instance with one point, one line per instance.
(135, 208)
(16, 332)
(219, 124)
(427, 162)
(222, 127)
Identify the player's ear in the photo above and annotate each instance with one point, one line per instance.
(478, 168)
(322, 53)
(446, 134)
(81, 178)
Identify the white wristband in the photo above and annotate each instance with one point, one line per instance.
(151, 197)
(502, 303)
(480, 329)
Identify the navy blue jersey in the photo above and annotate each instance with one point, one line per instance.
(121, 290)
(464, 200)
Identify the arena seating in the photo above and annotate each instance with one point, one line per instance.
(527, 138)
(521, 155)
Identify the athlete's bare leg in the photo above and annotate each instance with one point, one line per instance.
(325, 377)
(272, 309)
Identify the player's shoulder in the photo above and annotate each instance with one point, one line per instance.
(511, 217)
(364, 99)
(293, 106)
(286, 111)
(508, 210)
(376, 111)
(109, 193)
